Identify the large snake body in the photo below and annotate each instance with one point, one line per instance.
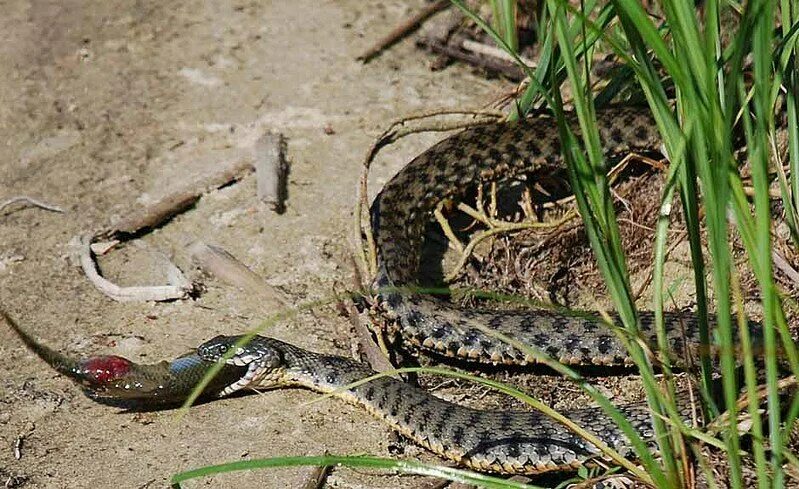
(446, 171)
(511, 442)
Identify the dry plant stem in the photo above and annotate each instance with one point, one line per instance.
(443, 34)
(493, 51)
(509, 70)
(271, 169)
(782, 264)
(395, 131)
(498, 228)
(30, 201)
(721, 423)
(221, 264)
(376, 354)
(403, 29)
(613, 174)
(158, 213)
(442, 221)
(316, 479)
(179, 287)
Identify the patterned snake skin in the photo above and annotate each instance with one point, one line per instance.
(505, 442)
(445, 171)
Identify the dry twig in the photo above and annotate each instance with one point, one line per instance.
(271, 170)
(227, 268)
(375, 356)
(722, 422)
(405, 28)
(782, 264)
(158, 213)
(493, 51)
(30, 201)
(376, 353)
(509, 70)
(179, 287)
(498, 227)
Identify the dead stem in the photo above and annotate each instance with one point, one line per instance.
(365, 248)
(403, 29)
(30, 201)
(498, 227)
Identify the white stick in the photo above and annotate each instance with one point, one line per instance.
(179, 287)
(31, 201)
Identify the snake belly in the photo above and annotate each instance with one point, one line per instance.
(497, 152)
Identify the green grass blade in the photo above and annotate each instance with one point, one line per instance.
(365, 462)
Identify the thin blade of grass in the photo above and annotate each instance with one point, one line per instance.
(367, 462)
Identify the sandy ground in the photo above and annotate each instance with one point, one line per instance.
(105, 106)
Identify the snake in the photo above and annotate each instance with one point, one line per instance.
(507, 442)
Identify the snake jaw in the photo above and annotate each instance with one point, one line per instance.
(260, 359)
(245, 381)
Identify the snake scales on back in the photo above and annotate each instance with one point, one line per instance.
(509, 442)
(445, 171)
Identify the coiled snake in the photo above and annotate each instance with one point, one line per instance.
(508, 442)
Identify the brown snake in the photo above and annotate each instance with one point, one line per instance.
(490, 153)
(508, 442)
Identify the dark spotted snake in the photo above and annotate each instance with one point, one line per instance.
(507, 442)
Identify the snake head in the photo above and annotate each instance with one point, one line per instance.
(262, 357)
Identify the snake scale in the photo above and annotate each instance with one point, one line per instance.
(445, 171)
(506, 442)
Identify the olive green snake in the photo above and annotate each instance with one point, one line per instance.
(507, 442)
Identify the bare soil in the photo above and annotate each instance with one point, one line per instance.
(106, 106)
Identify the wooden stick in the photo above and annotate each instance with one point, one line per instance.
(271, 170)
(494, 52)
(782, 264)
(375, 356)
(160, 212)
(511, 71)
(179, 287)
(30, 201)
(227, 268)
(402, 30)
